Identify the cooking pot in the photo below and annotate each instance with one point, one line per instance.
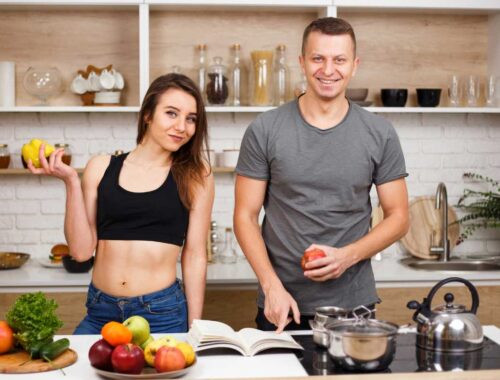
(449, 327)
(360, 344)
(324, 314)
(438, 361)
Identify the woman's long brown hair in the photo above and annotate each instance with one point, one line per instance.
(188, 163)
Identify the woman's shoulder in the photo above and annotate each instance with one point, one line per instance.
(96, 167)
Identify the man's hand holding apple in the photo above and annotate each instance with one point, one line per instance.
(334, 263)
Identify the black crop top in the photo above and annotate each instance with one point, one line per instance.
(156, 215)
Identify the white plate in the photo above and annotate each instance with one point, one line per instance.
(147, 373)
(45, 261)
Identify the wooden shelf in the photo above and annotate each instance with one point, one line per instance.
(68, 109)
(217, 169)
(433, 109)
(476, 6)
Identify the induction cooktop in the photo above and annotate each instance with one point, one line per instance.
(316, 360)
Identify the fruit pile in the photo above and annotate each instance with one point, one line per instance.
(128, 347)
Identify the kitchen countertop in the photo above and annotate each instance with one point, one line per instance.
(261, 366)
(389, 272)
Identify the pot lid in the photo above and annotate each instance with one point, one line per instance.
(449, 308)
(362, 327)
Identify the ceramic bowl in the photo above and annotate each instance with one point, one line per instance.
(357, 94)
(428, 97)
(12, 260)
(394, 97)
(73, 266)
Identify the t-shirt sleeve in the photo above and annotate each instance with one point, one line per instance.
(252, 161)
(392, 163)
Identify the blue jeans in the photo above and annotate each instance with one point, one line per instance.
(165, 310)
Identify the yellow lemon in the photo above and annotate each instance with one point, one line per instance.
(187, 351)
(30, 150)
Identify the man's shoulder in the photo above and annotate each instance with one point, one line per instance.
(370, 119)
(272, 119)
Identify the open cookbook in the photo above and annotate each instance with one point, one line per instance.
(204, 335)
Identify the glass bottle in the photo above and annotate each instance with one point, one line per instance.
(237, 73)
(281, 76)
(262, 84)
(4, 156)
(66, 158)
(217, 90)
(228, 255)
(201, 68)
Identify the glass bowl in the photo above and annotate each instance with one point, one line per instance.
(43, 83)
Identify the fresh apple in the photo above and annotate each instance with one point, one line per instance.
(311, 255)
(169, 340)
(145, 344)
(6, 337)
(187, 351)
(169, 359)
(139, 327)
(151, 350)
(128, 358)
(100, 355)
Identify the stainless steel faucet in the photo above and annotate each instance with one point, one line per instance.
(442, 203)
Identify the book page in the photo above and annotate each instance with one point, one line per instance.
(212, 332)
(258, 340)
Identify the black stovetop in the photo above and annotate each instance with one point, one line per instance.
(316, 360)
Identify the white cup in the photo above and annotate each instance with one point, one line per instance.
(79, 85)
(94, 82)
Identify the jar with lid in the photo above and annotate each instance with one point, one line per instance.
(281, 76)
(4, 156)
(66, 158)
(217, 90)
(262, 78)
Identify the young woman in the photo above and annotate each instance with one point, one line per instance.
(138, 209)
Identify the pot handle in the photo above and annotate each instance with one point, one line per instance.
(472, 289)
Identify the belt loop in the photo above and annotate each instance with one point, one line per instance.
(141, 300)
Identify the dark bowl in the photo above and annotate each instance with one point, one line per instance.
(73, 266)
(428, 97)
(394, 97)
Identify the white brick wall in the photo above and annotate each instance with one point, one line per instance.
(438, 147)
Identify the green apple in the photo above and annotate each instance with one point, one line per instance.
(149, 340)
(139, 327)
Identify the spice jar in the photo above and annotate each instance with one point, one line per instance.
(4, 156)
(262, 81)
(66, 158)
(217, 90)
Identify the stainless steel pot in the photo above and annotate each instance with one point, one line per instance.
(359, 344)
(449, 327)
(323, 315)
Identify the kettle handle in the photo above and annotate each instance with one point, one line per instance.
(472, 289)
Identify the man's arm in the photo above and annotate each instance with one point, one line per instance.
(393, 197)
(249, 198)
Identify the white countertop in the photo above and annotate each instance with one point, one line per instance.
(388, 273)
(210, 366)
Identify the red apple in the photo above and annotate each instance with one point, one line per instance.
(128, 358)
(311, 255)
(169, 359)
(100, 355)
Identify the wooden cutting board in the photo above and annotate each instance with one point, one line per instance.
(425, 222)
(13, 363)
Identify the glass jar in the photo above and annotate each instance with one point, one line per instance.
(261, 78)
(66, 158)
(4, 156)
(281, 76)
(237, 73)
(301, 86)
(201, 67)
(217, 90)
(228, 254)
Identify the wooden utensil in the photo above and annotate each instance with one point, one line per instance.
(425, 226)
(19, 362)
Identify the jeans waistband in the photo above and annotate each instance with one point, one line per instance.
(96, 294)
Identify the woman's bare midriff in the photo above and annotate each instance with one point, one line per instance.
(132, 268)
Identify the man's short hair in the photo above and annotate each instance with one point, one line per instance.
(332, 26)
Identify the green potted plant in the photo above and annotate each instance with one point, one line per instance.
(482, 207)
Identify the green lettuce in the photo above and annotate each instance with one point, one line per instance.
(33, 319)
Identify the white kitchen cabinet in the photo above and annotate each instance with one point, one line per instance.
(145, 38)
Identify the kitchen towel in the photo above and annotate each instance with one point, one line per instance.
(7, 84)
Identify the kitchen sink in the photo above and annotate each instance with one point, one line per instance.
(452, 265)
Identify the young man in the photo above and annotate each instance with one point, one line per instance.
(311, 164)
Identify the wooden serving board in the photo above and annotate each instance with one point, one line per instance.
(425, 222)
(13, 363)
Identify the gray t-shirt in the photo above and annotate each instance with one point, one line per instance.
(318, 191)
